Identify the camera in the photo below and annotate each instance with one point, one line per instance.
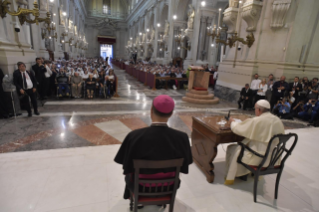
(239, 48)
(59, 66)
(17, 27)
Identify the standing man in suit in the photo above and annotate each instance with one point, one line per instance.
(26, 84)
(39, 71)
(246, 95)
(295, 88)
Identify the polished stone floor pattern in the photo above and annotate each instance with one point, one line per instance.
(62, 161)
(87, 180)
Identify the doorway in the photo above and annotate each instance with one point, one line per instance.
(106, 50)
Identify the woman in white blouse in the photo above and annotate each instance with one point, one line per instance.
(262, 89)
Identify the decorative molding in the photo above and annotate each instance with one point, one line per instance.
(251, 14)
(279, 12)
(230, 18)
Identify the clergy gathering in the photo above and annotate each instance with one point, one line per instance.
(159, 105)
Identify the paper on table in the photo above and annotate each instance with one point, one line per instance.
(237, 120)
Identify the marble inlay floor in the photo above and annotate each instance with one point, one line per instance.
(88, 180)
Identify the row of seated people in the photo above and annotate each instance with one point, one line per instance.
(46, 71)
(101, 85)
(169, 73)
(295, 99)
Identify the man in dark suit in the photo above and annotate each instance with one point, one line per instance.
(295, 88)
(246, 95)
(26, 85)
(39, 71)
(279, 90)
(157, 142)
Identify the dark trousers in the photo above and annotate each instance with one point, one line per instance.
(254, 98)
(34, 102)
(46, 86)
(41, 88)
(246, 102)
(64, 87)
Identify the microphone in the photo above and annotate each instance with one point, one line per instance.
(227, 117)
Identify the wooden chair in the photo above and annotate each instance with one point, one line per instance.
(164, 191)
(276, 154)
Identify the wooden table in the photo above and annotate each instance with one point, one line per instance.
(206, 136)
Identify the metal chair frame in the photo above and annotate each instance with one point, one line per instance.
(276, 154)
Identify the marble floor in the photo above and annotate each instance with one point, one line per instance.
(62, 160)
(86, 179)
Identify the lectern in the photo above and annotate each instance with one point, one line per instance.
(198, 83)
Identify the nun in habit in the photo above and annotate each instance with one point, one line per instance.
(257, 132)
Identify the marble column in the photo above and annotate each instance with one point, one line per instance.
(201, 38)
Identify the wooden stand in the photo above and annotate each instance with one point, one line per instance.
(198, 83)
(206, 136)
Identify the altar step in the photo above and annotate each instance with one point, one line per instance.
(201, 101)
(198, 92)
(199, 96)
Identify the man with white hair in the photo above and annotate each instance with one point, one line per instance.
(257, 132)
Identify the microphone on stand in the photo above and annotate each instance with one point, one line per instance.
(227, 117)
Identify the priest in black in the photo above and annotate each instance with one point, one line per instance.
(157, 142)
(39, 72)
(246, 95)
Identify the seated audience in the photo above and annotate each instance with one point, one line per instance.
(76, 84)
(311, 109)
(62, 81)
(90, 86)
(245, 97)
(157, 142)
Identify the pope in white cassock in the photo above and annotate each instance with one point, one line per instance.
(257, 132)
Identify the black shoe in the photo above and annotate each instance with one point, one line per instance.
(244, 178)
(37, 113)
(29, 114)
(239, 106)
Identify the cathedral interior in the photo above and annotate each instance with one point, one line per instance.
(215, 59)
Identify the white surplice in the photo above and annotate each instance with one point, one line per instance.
(257, 132)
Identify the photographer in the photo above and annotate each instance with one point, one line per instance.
(313, 89)
(310, 111)
(282, 109)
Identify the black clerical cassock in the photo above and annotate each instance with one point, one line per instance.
(157, 142)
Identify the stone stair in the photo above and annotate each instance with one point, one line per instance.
(200, 97)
